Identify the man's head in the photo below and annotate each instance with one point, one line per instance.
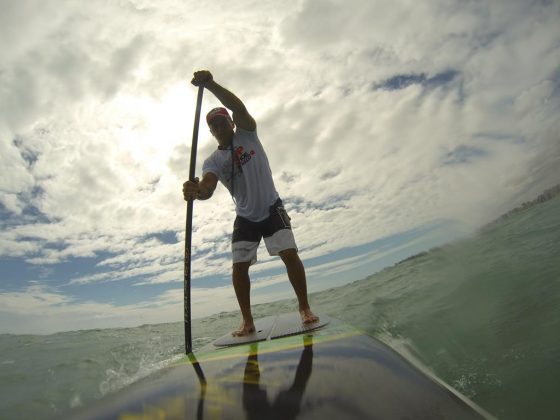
(221, 125)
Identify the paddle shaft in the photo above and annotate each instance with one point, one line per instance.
(188, 228)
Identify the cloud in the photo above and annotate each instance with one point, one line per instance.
(40, 310)
(377, 117)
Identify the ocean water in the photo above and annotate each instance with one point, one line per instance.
(483, 314)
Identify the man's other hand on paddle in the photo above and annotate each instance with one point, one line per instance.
(200, 190)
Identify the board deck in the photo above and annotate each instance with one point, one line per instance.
(330, 373)
(272, 327)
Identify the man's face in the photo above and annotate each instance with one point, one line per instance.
(221, 128)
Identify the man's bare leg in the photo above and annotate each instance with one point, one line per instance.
(296, 274)
(242, 287)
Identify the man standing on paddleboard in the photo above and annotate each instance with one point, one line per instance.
(241, 165)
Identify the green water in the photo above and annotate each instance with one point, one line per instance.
(483, 314)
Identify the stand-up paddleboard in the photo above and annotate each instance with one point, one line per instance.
(329, 372)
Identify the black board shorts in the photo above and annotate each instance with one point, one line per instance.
(276, 230)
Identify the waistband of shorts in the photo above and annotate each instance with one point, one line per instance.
(277, 203)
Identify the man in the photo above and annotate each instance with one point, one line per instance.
(241, 165)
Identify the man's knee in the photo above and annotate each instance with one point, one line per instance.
(241, 268)
(289, 255)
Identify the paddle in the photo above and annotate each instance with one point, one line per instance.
(188, 229)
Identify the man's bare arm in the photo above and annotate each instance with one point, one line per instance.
(201, 190)
(207, 186)
(240, 115)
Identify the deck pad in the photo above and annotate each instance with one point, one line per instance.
(271, 327)
(290, 324)
(263, 327)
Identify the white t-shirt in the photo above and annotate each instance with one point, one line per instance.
(254, 189)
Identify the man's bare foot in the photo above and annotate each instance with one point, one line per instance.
(246, 328)
(307, 316)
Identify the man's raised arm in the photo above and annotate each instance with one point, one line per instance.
(240, 115)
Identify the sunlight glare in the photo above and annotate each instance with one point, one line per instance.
(150, 128)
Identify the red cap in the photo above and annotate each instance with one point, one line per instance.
(217, 112)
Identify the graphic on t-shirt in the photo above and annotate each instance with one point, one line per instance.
(243, 157)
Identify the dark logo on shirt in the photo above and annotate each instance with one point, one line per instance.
(242, 157)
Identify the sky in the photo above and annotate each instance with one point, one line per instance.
(390, 126)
